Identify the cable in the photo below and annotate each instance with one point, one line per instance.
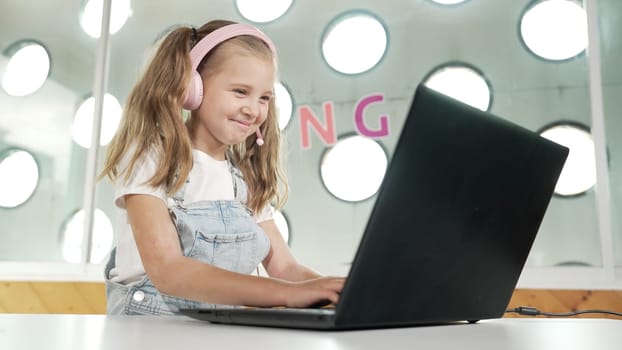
(530, 311)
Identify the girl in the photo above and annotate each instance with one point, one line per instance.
(195, 197)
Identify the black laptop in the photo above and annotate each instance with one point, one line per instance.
(453, 223)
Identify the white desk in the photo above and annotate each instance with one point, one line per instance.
(83, 332)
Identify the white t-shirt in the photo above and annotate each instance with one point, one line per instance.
(216, 184)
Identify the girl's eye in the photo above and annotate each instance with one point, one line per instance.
(239, 91)
(266, 98)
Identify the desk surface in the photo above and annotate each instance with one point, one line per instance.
(81, 332)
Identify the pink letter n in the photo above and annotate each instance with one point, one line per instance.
(326, 132)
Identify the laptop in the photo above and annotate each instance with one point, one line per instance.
(453, 223)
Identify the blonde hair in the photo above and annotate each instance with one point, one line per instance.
(153, 120)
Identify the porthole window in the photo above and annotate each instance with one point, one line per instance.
(579, 172)
(27, 69)
(284, 105)
(91, 16)
(262, 11)
(354, 43)
(353, 169)
(282, 224)
(19, 177)
(448, 2)
(72, 232)
(462, 82)
(554, 29)
(82, 128)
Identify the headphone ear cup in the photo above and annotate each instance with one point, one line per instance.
(194, 95)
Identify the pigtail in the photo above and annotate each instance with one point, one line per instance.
(152, 117)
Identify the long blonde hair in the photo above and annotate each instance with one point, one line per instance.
(153, 120)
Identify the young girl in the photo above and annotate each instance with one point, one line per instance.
(195, 197)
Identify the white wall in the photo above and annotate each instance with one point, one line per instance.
(422, 35)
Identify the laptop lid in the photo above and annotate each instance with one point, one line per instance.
(454, 219)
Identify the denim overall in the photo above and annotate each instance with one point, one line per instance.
(222, 233)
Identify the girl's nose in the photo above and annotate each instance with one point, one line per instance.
(251, 109)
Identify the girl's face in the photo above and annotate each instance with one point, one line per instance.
(235, 103)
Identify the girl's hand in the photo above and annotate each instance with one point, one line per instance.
(315, 292)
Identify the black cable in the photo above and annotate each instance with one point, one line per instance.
(531, 311)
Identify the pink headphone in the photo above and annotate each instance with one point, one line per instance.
(194, 94)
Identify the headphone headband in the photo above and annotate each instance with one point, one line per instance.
(194, 95)
(221, 34)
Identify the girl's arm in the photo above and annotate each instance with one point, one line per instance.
(280, 263)
(174, 274)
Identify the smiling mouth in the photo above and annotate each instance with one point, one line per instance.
(241, 123)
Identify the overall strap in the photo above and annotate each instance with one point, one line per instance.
(240, 191)
(178, 197)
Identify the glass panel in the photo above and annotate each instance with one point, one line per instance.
(41, 123)
(419, 35)
(611, 51)
(536, 92)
